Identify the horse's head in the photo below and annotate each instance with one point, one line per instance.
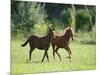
(50, 32)
(70, 32)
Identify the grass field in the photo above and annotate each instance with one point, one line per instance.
(83, 58)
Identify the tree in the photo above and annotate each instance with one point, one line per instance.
(25, 15)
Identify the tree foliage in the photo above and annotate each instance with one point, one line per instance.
(27, 16)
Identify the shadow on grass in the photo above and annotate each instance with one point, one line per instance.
(31, 62)
(90, 42)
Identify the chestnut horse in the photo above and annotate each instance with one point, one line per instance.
(62, 42)
(41, 43)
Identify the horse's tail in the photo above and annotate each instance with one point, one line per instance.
(25, 43)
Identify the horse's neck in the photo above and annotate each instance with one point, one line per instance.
(48, 37)
(66, 37)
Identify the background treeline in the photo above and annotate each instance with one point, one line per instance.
(34, 17)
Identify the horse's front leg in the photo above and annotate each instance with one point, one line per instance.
(69, 52)
(53, 47)
(47, 56)
(30, 53)
(44, 55)
(58, 53)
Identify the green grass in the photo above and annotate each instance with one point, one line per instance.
(83, 58)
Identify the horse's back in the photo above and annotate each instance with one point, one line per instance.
(39, 42)
(59, 41)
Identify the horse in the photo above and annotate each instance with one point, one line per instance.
(62, 41)
(41, 43)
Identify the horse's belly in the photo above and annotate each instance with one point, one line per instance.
(42, 47)
(61, 45)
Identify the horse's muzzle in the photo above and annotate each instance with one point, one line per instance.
(72, 38)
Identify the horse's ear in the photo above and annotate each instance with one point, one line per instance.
(68, 27)
(52, 27)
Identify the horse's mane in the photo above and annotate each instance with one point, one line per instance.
(64, 32)
(68, 28)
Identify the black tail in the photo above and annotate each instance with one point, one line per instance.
(25, 43)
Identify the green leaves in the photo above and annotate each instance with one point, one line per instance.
(24, 15)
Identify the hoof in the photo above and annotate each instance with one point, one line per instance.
(68, 57)
(70, 60)
(28, 61)
(42, 61)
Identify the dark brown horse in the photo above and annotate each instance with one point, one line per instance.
(62, 42)
(41, 43)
